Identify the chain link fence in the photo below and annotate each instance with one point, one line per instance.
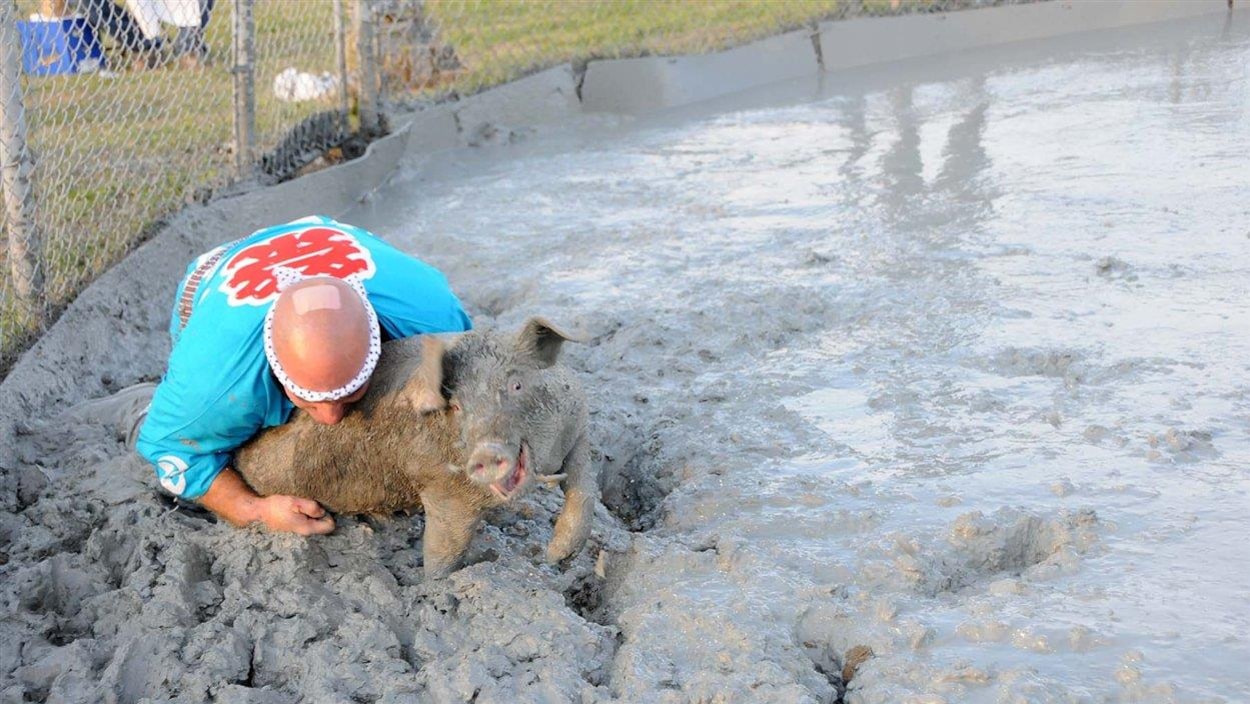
(115, 113)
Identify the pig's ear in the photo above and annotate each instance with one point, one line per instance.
(540, 341)
(425, 389)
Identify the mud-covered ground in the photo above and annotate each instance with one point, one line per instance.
(948, 359)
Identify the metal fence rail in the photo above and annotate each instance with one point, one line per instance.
(176, 99)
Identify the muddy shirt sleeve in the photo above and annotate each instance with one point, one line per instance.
(196, 421)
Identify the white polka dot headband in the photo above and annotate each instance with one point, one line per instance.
(285, 277)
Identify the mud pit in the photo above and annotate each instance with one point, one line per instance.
(947, 359)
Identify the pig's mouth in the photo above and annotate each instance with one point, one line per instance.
(509, 484)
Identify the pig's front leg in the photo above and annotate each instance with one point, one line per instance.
(450, 523)
(580, 490)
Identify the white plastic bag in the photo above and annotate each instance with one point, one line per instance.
(293, 86)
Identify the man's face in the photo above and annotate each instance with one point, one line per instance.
(327, 412)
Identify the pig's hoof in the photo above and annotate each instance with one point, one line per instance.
(429, 402)
(559, 554)
(437, 569)
(438, 572)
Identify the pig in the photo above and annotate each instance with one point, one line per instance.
(451, 424)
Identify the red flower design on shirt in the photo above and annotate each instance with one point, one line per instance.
(318, 251)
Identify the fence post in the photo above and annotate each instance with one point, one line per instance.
(17, 164)
(340, 59)
(365, 50)
(244, 88)
(379, 62)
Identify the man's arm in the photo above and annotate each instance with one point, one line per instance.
(190, 452)
(232, 499)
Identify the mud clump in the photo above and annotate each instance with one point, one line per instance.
(982, 549)
(854, 658)
(1112, 268)
(1179, 446)
(1060, 364)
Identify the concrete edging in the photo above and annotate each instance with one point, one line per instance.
(860, 42)
(642, 85)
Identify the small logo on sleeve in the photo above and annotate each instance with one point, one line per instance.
(171, 470)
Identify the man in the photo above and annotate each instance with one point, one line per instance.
(289, 317)
(107, 17)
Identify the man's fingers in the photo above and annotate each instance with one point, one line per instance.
(308, 507)
(324, 525)
(297, 515)
(319, 526)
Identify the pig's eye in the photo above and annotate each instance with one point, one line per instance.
(515, 386)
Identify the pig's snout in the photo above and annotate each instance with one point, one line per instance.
(491, 461)
(498, 467)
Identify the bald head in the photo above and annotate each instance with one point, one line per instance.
(321, 333)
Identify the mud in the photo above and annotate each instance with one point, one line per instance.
(941, 363)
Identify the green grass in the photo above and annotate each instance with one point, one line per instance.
(117, 154)
(498, 40)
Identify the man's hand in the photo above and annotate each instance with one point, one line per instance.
(291, 514)
(231, 498)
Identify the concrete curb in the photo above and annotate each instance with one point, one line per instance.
(642, 85)
(636, 86)
(861, 42)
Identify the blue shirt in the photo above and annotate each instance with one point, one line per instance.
(218, 390)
